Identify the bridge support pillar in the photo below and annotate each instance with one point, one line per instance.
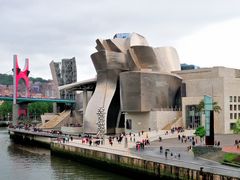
(85, 101)
(55, 108)
(15, 114)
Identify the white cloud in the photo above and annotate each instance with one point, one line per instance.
(214, 45)
(46, 30)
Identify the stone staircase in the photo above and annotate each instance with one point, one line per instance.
(56, 121)
(176, 123)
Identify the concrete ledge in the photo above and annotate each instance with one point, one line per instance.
(137, 167)
(71, 130)
(200, 150)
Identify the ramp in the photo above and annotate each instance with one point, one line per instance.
(177, 123)
(56, 121)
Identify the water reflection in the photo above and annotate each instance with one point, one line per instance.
(18, 162)
(75, 170)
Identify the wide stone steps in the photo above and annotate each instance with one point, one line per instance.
(52, 123)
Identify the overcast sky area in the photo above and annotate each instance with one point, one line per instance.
(204, 33)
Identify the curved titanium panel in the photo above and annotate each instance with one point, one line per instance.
(104, 60)
(108, 66)
(150, 86)
(168, 59)
(144, 58)
(104, 92)
(137, 40)
(145, 91)
(120, 44)
(164, 59)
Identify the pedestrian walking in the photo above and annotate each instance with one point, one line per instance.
(166, 154)
(161, 148)
(160, 138)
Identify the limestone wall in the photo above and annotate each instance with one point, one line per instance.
(155, 120)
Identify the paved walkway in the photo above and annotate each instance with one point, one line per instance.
(151, 152)
(231, 149)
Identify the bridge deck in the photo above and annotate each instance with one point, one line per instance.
(24, 99)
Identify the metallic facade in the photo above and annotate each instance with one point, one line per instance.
(131, 77)
(146, 91)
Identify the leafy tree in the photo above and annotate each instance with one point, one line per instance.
(38, 79)
(39, 108)
(5, 109)
(236, 128)
(200, 106)
(216, 107)
(6, 79)
(201, 132)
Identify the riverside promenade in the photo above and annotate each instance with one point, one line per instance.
(151, 153)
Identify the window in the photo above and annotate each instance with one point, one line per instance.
(231, 107)
(235, 107)
(232, 126)
(238, 98)
(239, 107)
(230, 98)
(235, 98)
(231, 115)
(238, 115)
(129, 124)
(235, 115)
(183, 90)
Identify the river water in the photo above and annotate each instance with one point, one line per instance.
(18, 162)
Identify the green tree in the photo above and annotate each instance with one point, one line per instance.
(201, 132)
(38, 79)
(5, 109)
(6, 79)
(236, 128)
(216, 107)
(38, 108)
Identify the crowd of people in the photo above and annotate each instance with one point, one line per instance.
(237, 143)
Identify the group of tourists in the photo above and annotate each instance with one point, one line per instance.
(237, 143)
(64, 139)
(141, 144)
(168, 152)
(217, 143)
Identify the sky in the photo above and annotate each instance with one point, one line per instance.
(204, 32)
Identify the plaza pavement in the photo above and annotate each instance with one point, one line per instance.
(152, 153)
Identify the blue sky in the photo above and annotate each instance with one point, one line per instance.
(205, 33)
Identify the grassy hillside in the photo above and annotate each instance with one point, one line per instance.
(6, 79)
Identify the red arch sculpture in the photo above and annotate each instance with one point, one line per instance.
(21, 75)
(18, 74)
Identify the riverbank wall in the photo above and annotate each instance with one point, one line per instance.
(130, 165)
(125, 162)
(4, 123)
(29, 138)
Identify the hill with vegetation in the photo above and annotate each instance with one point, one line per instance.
(6, 79)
